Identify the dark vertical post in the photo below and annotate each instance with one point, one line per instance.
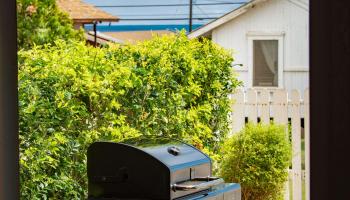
(95, 34)
(329, 99)
(9, 153)
(190, 18)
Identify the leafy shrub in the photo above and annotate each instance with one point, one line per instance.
(257, 158)
(40, 22)
(71, 95)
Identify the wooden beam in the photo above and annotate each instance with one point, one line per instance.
(9, 152)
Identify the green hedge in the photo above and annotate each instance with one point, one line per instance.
(71, 95)
(258, 158)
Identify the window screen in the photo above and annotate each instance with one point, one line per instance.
(265, 64)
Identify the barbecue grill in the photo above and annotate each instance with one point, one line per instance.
(153, 168)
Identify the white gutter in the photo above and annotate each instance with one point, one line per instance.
(106, 37)
(218, 22)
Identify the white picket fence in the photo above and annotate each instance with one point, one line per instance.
(277, 104)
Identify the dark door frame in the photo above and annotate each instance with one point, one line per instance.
(329, 99)
(9, 152)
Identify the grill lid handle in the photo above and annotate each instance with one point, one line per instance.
(174, 150)
(212, 181)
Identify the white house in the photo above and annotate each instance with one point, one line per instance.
(270, 38)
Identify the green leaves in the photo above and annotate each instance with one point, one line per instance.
(258, 157)
(40, 22)
(71, 95)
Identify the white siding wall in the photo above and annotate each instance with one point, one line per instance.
(271, 17)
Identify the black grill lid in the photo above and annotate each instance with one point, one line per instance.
(141, 167)
(174, 154)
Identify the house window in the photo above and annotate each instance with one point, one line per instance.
(265, 63)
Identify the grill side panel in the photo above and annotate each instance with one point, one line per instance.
(117, 170)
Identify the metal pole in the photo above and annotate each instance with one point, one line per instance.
(190, 20)
(9, 150)
(95, 36)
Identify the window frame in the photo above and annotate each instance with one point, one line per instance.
(279, 36)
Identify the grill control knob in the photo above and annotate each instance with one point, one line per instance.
(174, 150)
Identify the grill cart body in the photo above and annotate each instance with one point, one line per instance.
(153, 168)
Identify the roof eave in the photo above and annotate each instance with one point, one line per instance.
(90, 21)
(204, 30)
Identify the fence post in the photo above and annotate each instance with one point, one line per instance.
(280, 111)
(252, 109)
(238, 114)
(296, 145)
(265, 107)
(280, 107)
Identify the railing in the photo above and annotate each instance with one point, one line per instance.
(263, 105)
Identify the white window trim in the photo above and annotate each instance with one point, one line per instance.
(264, 36)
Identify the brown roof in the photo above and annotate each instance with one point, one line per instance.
(136, 36)
(84, 13)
